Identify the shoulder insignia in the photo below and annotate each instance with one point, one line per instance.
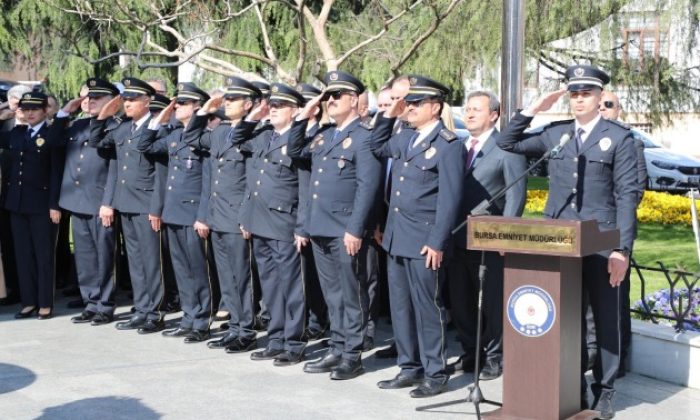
(620, 124)
(226, 122)
(560, 122)
(367, 125)
(447, 135)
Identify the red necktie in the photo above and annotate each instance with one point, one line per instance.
(471, 154)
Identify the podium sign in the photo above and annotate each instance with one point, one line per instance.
(542, 310)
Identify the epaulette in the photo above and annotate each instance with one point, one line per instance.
(620, 124)
(560, 122)
(226, 122)
(447, 135)
(367, 125)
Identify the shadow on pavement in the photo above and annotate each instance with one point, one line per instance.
(13, 377)
(101, 407)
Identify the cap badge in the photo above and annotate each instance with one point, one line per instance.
(180, 86)
(275, 89)
(578, 72)
(300, 88)
(347, 142)
(333, 76)
(413, 81)
(27, 96)
(127, 82)
(93, 83)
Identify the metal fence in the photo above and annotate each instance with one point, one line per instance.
(680, 303)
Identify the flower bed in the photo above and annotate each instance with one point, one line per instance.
(661, 305)
(656, 207)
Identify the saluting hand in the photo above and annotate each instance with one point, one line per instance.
(396, 109)
(164, 115)
(545, 102)
(111, 108)
(617, 267)
(433, 258)
(311, 108)
(73, 105)
(260, 111)
(213, 104)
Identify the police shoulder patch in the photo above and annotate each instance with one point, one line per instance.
(447, 135)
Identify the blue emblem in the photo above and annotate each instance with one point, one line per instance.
(531, 311)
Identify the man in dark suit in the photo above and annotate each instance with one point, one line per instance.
(274, 211)
(87, 192)
(33, 183)
(137, 200)
(593, 177)
(227, 187)
(185, 211)
(345, 177)
(428, 181)
(489, 169)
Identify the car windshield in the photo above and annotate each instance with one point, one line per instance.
(648, 143)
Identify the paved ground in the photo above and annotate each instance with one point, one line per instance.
(56, 370)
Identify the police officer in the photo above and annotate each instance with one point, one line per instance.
(137, 200)
(87, 192)
(274, 215)
(227, 187)
(185, 211)
(593, 177)
(345, 178)
(428, 180)
(317, 311)
(33, 185)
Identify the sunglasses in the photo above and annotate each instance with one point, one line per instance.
(337, 94)
(420, 102)
(609, 104)
(184, 101)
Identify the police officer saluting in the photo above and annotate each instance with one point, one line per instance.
(185, 211)
(428, 178)
(274, 215)
(345, 178)
(227, 187)
(593, 177)
(135, 199)
(33, 186)
(87, 192)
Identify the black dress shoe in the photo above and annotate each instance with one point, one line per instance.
(75, 304)
(492, 369)
(223, 342)
(399, 381)
(152, 326)
(46, 315)
(464, 364)
(242, 345)
(367, 344)
(101, 318)
(266, 354)
(325, 364)
(25, 314)
(177, 332)
(197, 336)
(84, 317)
(387, 353)
(428, 388)
(133, 323)
(347, 369)
(604, 404)
(287, 358)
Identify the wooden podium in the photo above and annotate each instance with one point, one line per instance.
(542, 310)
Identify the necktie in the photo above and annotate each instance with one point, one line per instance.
(579, 138)
(273, 138)
(133, 127)
(471, 154)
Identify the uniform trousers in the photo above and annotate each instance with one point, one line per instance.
(279, 267)
(144, 256)
(418, 318)
(94, 262)
(370, 289)
(463, 281)
(34, 238)
(605, 304)
(189, 257)
(317, 320)
(342, 277)
(232, 256)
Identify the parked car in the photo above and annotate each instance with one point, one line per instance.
(666, 169)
